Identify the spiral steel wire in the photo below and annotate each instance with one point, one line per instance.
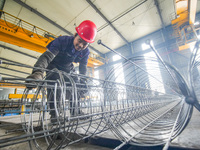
(132, 109)
(194, 67)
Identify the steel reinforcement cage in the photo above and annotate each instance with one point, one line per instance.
(139, 108)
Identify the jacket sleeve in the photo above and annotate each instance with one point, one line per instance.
(83, 68)
(83, 64)
(43, 61)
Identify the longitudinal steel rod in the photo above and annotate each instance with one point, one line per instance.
(154, 120)
(172, 130)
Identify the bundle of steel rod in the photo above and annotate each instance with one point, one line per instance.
(133, 103)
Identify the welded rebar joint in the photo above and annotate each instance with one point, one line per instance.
(190, 100)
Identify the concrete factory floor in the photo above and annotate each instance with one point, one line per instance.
(188, 139)
(79, 146)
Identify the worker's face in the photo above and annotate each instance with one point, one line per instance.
(79, 43)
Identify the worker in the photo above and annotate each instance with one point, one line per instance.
(61, 53)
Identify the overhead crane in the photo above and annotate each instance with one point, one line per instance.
(18, 32)
(183, 24)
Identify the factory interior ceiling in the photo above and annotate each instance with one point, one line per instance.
(118, 22)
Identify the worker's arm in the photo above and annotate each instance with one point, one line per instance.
(41, 64)
(82, 69)
(83, 63)
(43, 61)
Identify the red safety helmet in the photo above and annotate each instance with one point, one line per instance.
(87, 30)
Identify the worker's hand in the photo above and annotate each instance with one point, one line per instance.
(83, 81)
(31, 80)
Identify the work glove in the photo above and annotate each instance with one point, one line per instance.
(38, 70)
(31, 80)
(69, 68)
(83, 81)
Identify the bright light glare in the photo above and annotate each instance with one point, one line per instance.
(196, 23)
(96, 74)
(119, 75)
(116, 57)
(154, 84)
(118, 68)
(146, 46)
(191, 48)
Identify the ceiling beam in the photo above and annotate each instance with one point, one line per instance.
(11, 61)
(15, 70)
(8, 48)
(2, 3)
(159, 13)
(123, 14)
(42, 16)
(98, 11)
(163, 30)
(51, 22)
(5, 74)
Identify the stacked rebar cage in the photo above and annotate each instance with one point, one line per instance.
(132, 109)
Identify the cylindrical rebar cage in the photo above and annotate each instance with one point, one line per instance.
(141, 102)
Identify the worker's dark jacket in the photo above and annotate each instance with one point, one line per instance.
(65, 53)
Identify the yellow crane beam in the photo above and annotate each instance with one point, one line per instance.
(19, 96)
(15, 35)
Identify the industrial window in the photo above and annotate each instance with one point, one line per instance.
(121, 93)
(145, 46)
(192, 46)
(154, 83)
(196, 23)
(96, 91)
(118, 70)
(96, 75)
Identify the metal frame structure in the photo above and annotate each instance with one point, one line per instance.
(133, 111)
